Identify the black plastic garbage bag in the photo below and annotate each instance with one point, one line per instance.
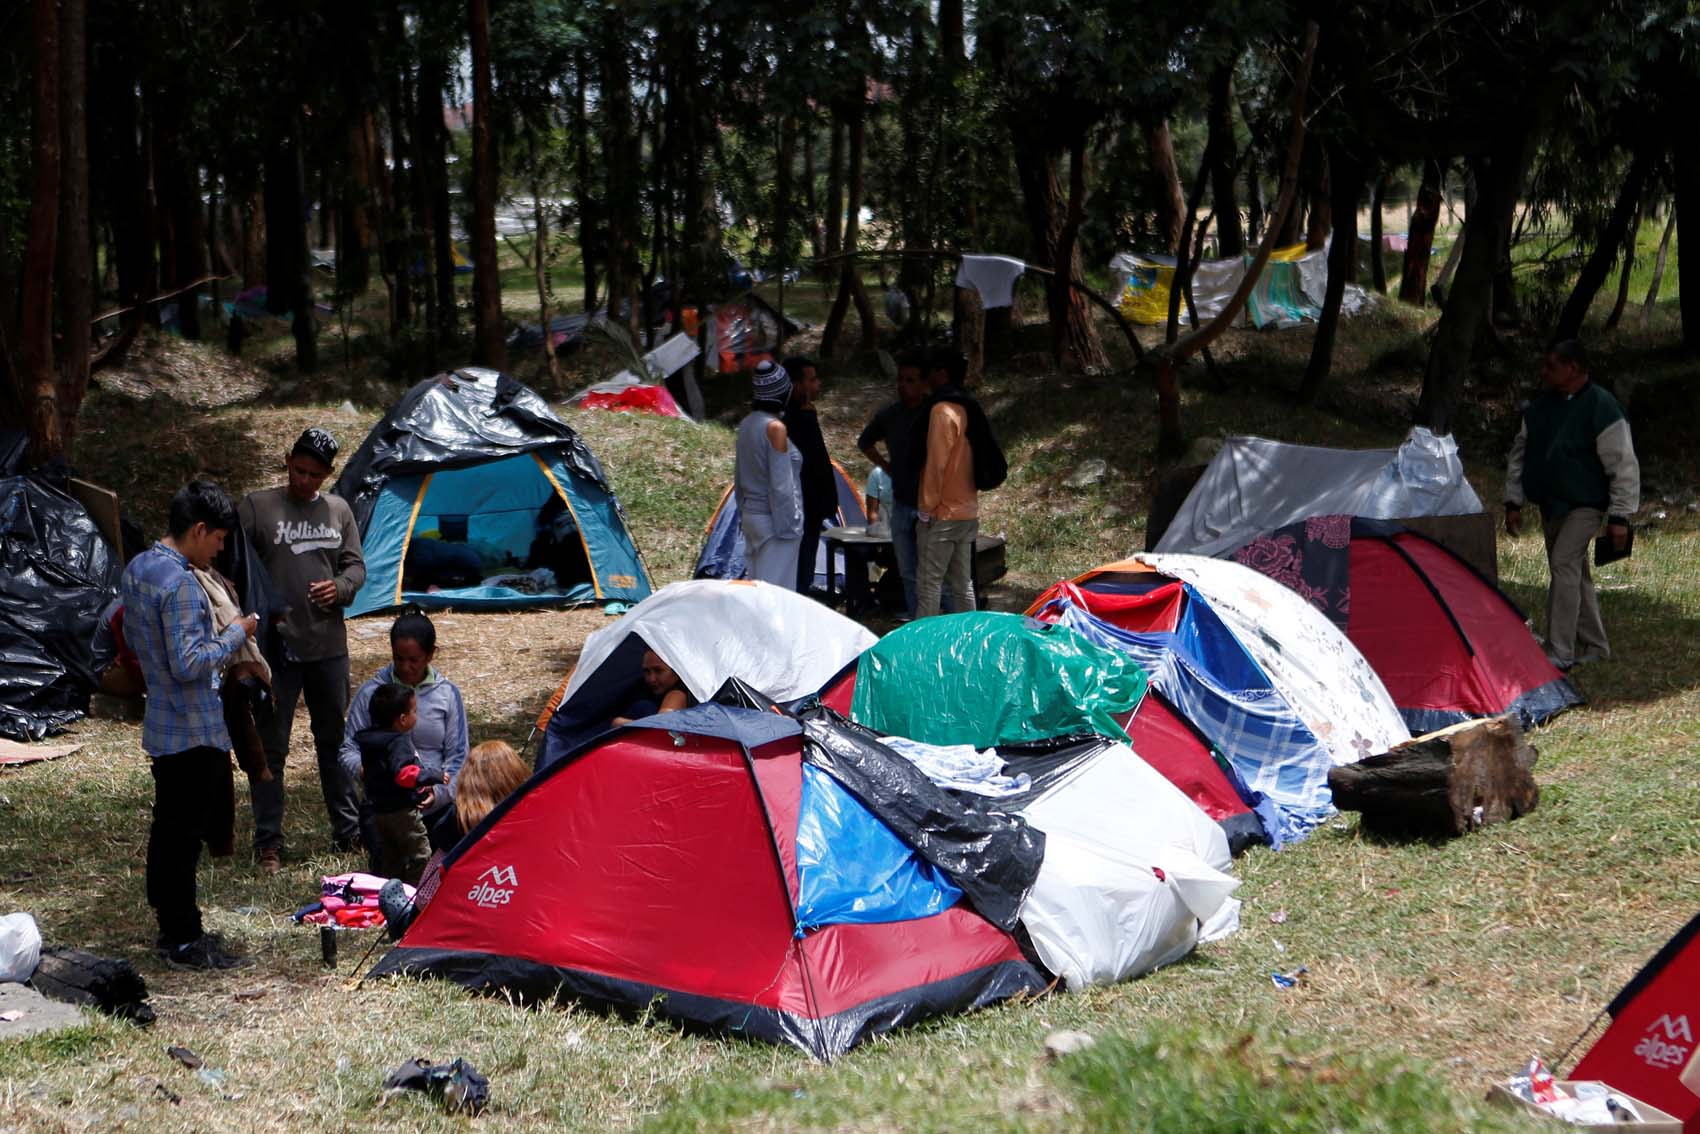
(56, 576)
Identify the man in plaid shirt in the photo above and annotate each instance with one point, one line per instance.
(169, 624)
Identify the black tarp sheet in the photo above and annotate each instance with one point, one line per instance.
(56, 576)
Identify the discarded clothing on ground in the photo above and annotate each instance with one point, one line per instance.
(457, 1085)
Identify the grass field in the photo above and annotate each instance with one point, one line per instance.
(1432, 967)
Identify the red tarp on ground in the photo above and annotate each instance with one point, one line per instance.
(636, 399)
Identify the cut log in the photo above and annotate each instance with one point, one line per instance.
(109, 984)
(1449, 782)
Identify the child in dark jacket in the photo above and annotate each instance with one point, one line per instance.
(393, 775)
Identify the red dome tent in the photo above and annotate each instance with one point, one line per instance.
(668, 866)
(1447, 643)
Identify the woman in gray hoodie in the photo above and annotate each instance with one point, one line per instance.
(768, 481)
(439, 735)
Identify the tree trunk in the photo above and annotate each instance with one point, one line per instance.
(971, 332)
(1230, 238)
(288, 268)
(1346, 181)
(1165, 360)
(952, 38)
(1658, 268)
(123, 173)
(620, 172)
(434, 249)
(1611, 238)
(1686, 160)
(785, 153)
(179, 179)
(835, 189)
(1419, 241)
(489, 347)
(1254, 203)
(1318, 223)
(1622, 300)
(1188, 250)
(540, 256)
(1377, 263)
(850, 286)
(1166, 178)
(39, 379)
(913, 121)
(400, 217)
(252, 213)
(589, 193)
(1054, 218)
(1499, 180)
(354, 221)
(76, 259)
(1443, 284)
(811, 202)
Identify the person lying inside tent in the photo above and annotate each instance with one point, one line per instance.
(666, 692)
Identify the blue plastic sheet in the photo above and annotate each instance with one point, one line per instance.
(852, 869)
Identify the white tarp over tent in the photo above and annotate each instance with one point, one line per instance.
(1255, 485)
(1313, 665)
(1100, 911)
(711, 630)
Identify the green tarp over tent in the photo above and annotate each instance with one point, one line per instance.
(988, 679)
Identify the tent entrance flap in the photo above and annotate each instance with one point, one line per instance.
(497, 532)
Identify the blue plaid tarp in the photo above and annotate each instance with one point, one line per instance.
(1204, 671)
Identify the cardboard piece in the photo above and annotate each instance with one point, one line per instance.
(1474, 538)
(1653, 1120)
(102, 506)
(12, 753)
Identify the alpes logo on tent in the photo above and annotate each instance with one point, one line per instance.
(494, 888)
(1667, 1042)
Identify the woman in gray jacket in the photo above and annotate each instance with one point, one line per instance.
(440, 734)
(769, 484)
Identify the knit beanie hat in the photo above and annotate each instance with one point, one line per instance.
(772, 384)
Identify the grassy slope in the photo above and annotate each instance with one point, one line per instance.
(1463, 957)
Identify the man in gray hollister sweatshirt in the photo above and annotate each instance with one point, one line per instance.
(310, 545)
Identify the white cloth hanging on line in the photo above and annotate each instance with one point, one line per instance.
(992, 276)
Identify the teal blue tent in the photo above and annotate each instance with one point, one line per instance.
(472, 493)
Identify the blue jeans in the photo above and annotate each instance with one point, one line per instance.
(903, 520)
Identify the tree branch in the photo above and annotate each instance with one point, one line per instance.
(1195, 341)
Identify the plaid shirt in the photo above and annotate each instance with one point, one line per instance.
(168, 622)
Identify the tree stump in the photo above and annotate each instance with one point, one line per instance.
(1447, 783)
